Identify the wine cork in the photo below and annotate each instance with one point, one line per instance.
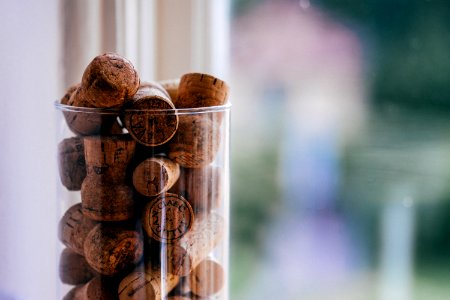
(82, 119)
(207, 278)
(206, 233)
(196, 142)
(74, 227)
(167, 218)
(136, 286)
(109, 80)
(71, 163)
(110, 202)
(110, 249)
(176, 259)
(201, 90)
(201, 187)
(150, 284)
(171, 86)
(155, 175)
(149, 116)
(73, 268)
(107, 157)
(65, 99)
(99, 288)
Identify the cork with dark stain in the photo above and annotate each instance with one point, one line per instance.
(110, 249)
(149, 115)
(74, 227)
(71, 163)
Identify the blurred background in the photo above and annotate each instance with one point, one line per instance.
(340, 153)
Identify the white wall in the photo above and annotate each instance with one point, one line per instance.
(29, 50)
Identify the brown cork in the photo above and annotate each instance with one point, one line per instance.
(176, 260)
(83, 120)
(99, 288)
(107, 157)
(109, 249)
(65, 99)
(201, 90)
(74, 227)
(149, 284)
(201, 187)
(179, 298)
(71, 163)
(107, 202)
(171, 86)
(149, 116)
(104, 194)
(73, 268)
(207, 278)
(167, 218)
(136, 286)
(196, 142)
(206, 233)
(162, 281)
(155, 175)
(109, 80)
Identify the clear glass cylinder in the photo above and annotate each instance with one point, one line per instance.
(144, 203)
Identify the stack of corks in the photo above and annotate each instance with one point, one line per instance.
(142, 158)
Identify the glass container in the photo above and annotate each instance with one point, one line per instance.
(143, 199)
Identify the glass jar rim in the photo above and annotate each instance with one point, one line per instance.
(116, 111)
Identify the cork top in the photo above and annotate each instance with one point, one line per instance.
(168, 218)
(109, 80)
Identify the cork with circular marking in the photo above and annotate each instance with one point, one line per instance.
(155, 175)
(107, 202)
(110, 249)
(73, 228)
(149, 116)
(71, 163)
(202, 187)
(207, 278)
(109, 81)
(171, 86)
(196, 142)
(167, 218)
(201, 90)
(107, 157)
(73, 268)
